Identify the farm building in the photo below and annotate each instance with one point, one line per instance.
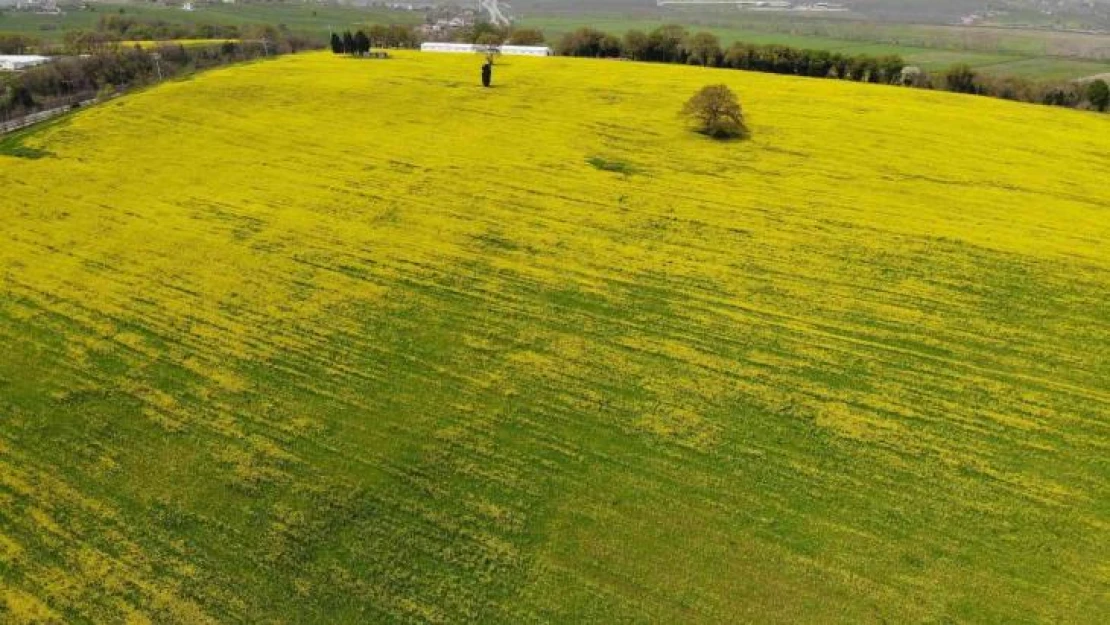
(526, 50)
(20, 62)
(472, 48)
(434, 46)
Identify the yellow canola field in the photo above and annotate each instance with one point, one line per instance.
(322, 339)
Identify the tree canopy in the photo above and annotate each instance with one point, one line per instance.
(717, 111)
(1098, 92)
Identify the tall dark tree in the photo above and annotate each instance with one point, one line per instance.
(961, 79)
(890, 68)
(665, 44)
(610, 47)
(348, 43)
(636, 45)
(820, 63)
(362, 43)
(1098, 94)
(740, 56)
(840, 64)
(526, 37)
(1055, 97)
(703, 49)
(336, 44)
(590, 42)
(859, 67)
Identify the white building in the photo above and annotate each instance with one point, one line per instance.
(437, 46)
(471, 48)
(20, 62)
(526, 51)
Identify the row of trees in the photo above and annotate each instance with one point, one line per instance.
(126, 28)
(94, 41)
(15, 43)
(401, 36)
(674, 44)
(358, 43)
(67, 81)
(113, 29)
(962, 78)
(378, 35)
(484, 33)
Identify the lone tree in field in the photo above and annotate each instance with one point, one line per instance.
(1098, 92)
(717, 113)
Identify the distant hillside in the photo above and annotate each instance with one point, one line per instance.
(944, 11)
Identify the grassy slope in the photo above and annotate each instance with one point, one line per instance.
(399, 351)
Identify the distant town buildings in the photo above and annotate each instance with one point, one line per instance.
(43, 7)
(443, 26)
(762, 5)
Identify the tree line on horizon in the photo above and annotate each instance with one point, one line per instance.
(673, 43)
(378, 35)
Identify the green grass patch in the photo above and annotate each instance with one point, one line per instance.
(14, 143)
(615, 166)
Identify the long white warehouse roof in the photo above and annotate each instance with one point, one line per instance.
(436, 46)
(19, 61)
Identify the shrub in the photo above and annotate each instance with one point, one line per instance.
(589, 42)
(489, 40)
(1098, 93)
(703, 49)
(717, 112)
(961, 79)
(526, 37)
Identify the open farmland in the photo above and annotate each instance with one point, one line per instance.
(321, 340)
